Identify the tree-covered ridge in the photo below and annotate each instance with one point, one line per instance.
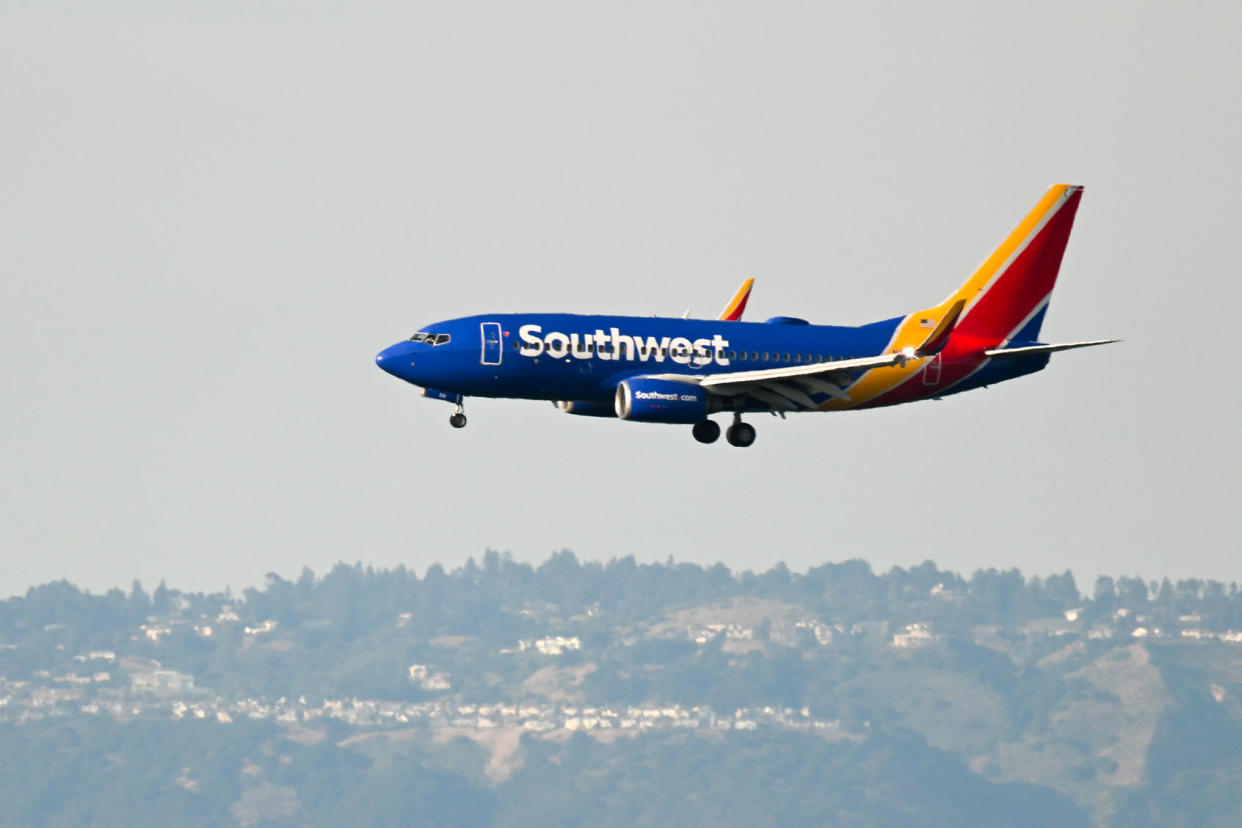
(565, 674)
(487, 598)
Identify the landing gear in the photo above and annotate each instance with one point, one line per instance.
(740, 434)
(458, 418)
(707, 431)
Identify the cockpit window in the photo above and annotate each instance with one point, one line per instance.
(430, 338)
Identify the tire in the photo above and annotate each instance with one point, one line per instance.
(740, 434)
(707, 431)
(457, 420)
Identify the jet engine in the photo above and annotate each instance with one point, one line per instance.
(663, 401)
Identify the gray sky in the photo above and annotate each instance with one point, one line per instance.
(211, 219)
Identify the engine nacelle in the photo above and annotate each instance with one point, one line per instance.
(661, 401)
(587, 408)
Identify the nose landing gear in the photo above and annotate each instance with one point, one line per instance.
(458, 418)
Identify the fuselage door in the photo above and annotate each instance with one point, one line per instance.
(931, 371)
(492, 348)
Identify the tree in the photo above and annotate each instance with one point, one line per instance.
(1062, 590)
(139, 601)
(1132, 593)
(163, 601)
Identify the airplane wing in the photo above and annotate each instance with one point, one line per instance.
(779, 386)
(737, 305)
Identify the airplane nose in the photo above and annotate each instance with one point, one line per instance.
(394, 358)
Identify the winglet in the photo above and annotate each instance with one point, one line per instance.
(737, 305)
(935, 342)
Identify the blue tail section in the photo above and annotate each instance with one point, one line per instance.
(1030, 331)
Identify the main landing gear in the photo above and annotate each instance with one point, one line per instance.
(739, 434)
(458, 418)
(707, 431)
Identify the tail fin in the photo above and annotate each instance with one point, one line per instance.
(1007, 296)
(737, 305)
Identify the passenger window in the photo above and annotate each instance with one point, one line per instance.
(765, 356)
(732, 354)
(797, 357)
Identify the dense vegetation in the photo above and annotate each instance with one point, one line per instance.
(910, 697)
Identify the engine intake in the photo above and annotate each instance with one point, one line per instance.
(662, 401)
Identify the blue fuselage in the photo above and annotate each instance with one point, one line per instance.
(579, 357)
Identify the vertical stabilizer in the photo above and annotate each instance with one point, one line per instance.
(1007, 296)
(1003, 301)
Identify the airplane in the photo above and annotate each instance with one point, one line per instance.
(683, 371)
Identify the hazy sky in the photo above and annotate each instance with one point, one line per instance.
(212, 216)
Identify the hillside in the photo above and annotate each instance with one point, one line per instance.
(621, 693)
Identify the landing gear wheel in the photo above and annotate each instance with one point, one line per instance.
(457, 420)
(740, 434)
(707, 431)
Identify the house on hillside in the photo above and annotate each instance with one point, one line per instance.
(914, 635)
(162, 682)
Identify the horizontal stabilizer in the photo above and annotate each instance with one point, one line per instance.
(1032, 350)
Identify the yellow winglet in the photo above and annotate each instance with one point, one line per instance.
(934, 343)
(737, 305)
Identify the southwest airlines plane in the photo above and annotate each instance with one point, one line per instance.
(667, 370)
